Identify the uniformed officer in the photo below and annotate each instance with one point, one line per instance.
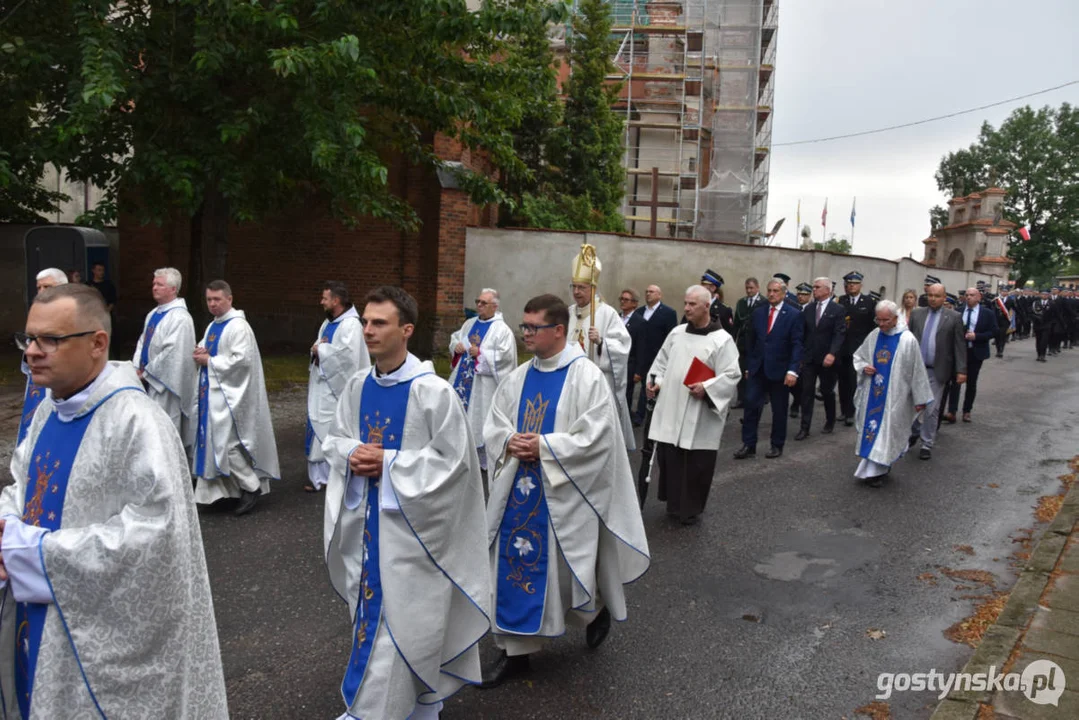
(861, 320)
(929, 280)
(805, 294)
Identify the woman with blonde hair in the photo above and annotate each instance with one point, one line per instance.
(908, 303)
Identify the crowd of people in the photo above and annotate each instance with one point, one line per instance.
(500, 501)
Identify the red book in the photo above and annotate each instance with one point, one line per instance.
(698, 372)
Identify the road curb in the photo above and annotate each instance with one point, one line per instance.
(1000, 640)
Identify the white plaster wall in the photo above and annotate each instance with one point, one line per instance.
(525, 263)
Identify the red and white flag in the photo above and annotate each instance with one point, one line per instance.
(1024, 233)
(824, 214)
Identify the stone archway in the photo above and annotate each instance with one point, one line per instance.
(956, 261)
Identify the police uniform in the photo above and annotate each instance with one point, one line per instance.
(861, 320)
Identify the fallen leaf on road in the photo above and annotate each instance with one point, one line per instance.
(875, 711)
(993, 485)
(1048, 507)
(928, 577)
(969, 631)
(876, 634)
(976, 576)
(965, 549)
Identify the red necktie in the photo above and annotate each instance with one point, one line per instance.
(771, 318)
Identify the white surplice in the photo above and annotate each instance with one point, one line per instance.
(126, 568)
(908, 386)
(170, 374)
(338, 360)
(238, 424)
(612, 356)
(596, 537)
(679, 419)
(435, 594)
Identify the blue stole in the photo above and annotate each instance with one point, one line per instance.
(43, 506)
(30, 400)
(212, 340)
(309, 436)
(466, 367)
(522, 536)
(382, 420)
(148, 335)
(883, 355)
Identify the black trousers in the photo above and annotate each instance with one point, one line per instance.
(1041, 341)
(1001, 340)
(758, 389)
(827, 376)
(974, 368)
(848, 383)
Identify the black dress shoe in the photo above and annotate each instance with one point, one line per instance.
(802, 434)
(247, 502)
(774, 452)
(745, 451)
(598, 629)
(828, 428)
(504, 668)
(794, 412)
(925, 453)
(913, 440)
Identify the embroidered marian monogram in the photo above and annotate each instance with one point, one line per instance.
(877, 397)
(524, 557)
(466, 366)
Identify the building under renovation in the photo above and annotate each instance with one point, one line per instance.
(697, 86)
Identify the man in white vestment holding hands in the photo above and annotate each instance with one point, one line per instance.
(337, 355)
(485, 351)
(235, 451)
(564, 526)
(404, 527)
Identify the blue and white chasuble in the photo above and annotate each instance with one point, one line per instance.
(148, 335)
(201, 437)
(382, 421)
(524, 557)
(466, 372)
(31, 399)
(43, 506)
(883, 356)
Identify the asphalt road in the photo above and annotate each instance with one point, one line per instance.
(760, 611)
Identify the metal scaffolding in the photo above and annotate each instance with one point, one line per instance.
(696, 91)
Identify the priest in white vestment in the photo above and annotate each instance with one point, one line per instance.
(163, 354)
(106, 608)
(687, 421)
(564, 527)
(337, 355)
(404, 527)
(32, 397)
(605, 341)
(484, 352)
(235, 454)
(892, 388)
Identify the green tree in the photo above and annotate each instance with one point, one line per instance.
(587, 177)
(529, 52)
(835, 244)
(938, 217)
(230, 111)
(1034, 156)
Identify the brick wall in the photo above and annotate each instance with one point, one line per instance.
(276, 268)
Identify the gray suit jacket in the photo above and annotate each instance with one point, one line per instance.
(951, 350)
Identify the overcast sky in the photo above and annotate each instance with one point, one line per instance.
(852, 65)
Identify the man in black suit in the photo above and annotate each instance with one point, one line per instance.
(825, 330)
(656, 322)
(861, 320)
(630, 313)
(979, 327)
(775, 356)
(742, 310)
(1041, 315)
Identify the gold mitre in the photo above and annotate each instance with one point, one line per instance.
(586, 266)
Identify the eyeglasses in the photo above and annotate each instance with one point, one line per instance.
(625, 299)
(483, 303)
(533, 329)
(48, 343)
